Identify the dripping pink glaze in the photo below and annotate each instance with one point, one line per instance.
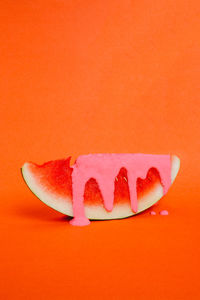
(164, 213)
(104, 168)
(153, 213)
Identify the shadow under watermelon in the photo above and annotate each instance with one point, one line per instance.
(38, 212)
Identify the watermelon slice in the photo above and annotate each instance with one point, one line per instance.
(51, 182)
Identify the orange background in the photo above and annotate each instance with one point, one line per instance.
(81, 77)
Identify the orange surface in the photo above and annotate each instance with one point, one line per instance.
(81, 77)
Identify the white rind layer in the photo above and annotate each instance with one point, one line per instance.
(95, 212)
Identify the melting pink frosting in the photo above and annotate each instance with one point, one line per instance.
(164, 213)
(104, 168)
(153, 213)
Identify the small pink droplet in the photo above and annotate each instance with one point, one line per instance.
(164, 213)
(153, 213)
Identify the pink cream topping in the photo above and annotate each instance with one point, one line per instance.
(152, 213)
(104, 168)
(164, 213)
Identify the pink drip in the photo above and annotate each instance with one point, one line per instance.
(153, 213)
(104, 168)
(164, 213)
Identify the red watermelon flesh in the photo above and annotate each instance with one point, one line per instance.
(54, 175)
